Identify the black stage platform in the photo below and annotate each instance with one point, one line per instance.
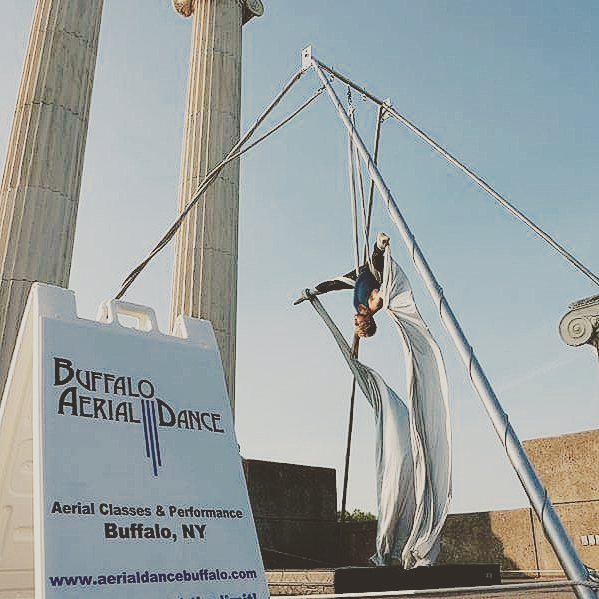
(393, 578)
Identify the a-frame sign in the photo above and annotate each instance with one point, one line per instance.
(120, 474)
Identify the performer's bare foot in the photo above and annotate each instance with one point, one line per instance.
(382, 240)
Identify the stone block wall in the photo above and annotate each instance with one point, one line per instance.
(568, 466)
(504, 537)
(295, 510)
(358, 541)
(581, 520)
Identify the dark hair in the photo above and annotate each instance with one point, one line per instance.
(368, 328)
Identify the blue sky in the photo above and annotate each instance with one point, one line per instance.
(511, 88)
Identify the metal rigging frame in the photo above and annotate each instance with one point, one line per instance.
(534, 488)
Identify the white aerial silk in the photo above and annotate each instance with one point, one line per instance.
(428, 408)
(394, 471)
(393, 456)
(413, 443)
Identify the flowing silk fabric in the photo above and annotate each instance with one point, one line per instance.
(393, 453)
(428, 407)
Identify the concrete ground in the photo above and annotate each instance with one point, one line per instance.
(321, 582)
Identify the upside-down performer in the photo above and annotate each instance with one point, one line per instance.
(366, 283)
(410, 537)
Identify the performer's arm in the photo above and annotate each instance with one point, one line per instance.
(336, 284)
(344, 282)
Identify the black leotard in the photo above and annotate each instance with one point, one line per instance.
(369, 277)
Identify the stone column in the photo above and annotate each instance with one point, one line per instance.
(42, 175)
(205, 273)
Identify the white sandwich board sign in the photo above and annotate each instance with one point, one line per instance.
(120, 474)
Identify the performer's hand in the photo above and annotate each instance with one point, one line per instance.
(382, 240)
(306, 294)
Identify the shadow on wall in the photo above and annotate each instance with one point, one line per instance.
(357, 542)
(294, 508)
(505, 538)
(569, 466)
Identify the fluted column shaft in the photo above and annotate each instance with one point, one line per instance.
(205, 274)
(42, 175)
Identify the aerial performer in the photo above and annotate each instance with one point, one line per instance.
(413, 439)
(366, 283)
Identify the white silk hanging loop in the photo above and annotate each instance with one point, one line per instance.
(393, 452)
(428, 406)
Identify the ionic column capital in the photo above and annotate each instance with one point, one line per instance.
(250, 8)
(581, 324)
(184, 7)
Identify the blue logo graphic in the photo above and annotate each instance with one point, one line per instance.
(148, 408)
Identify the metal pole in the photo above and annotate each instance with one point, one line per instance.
(467, 171)
(350, 428)
(377, 139)
(537, 494)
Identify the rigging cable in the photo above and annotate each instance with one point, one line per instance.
(236, 152)
(352, 186)
(467, 171)
(356, 341)
(366, 216)
(358, 167)
(377, 139)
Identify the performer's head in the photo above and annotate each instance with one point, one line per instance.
(364, 322)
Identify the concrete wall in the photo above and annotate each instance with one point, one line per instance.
(581, 520)
(358, 541)
(504, 537)
(568, 465)
(295, 510)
